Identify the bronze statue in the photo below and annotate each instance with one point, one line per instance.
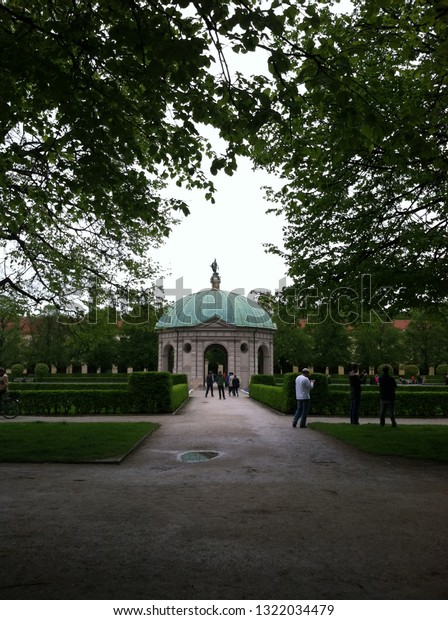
(214, 266)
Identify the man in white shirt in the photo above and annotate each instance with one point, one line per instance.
(303, 389)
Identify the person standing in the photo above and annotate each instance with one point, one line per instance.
(388, 385)
(209, 384)
(230, 382)
(303, 389)
(220, 382)
(4, 383)
(235, 386)
(355, 380)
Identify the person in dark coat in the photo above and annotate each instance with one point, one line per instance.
(355, 380)
(388, 385)
(235, 386)
(209, 383)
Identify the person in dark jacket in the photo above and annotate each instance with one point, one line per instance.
(235, 386)
(388, 385)
(210, 381)
(355, 380)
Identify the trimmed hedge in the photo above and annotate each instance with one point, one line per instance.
(283, 398)
(151, 391)
(411, 403)
(415, 401)
(179, 379)
(179, 395)
(75, 402)
(146, 393)
(82, 378)
(50, 387)
(262, 380)
(270, 395)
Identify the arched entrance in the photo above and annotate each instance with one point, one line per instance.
(168, 358)
(263, 365)
(215, 359)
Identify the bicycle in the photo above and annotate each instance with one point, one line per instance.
(9, 406)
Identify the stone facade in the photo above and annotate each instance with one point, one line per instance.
(247, 351)
(238, 329)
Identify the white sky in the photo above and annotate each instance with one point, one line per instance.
(233, 231)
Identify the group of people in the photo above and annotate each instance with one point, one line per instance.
(387, 385)
(224, 381)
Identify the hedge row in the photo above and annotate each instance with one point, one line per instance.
(25, 387)
(75, 402)
(283, 398)
(146, 393)
(420, 404)
(335, 401)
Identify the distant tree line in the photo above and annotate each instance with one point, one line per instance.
(101, 341)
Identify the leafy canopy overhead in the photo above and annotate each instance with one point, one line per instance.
(101, 104)
(360, 140)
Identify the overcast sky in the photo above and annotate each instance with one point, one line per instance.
(233, 231)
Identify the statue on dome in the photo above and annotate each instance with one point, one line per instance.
(214, 266)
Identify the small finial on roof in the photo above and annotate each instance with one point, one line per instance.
(215, 280)
(214, 267)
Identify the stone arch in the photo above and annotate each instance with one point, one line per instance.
(168, 358)
(263, 360)
(215, 356)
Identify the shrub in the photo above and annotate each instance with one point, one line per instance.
(17, 370)
(151, 391)
(179, 379)
(442, 369)
(75, 402)
(41, 370)
(411, 369)
(272, 396)
(262, 380)
(289, 388)
(283, 398)
(179, 395)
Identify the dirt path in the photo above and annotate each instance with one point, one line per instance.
(281, 513)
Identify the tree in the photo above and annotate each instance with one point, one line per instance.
(377, 343)
(50, 339)
(138, 344)
(41, 370)
(426, 340)
(360, 141)
(331, 343)
(102, 104)
(292, 346)
(11, 340)
(94, 340)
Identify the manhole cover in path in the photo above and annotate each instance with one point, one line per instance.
(198, 456)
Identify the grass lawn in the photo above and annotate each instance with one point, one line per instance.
(411, 441)
(65, 442)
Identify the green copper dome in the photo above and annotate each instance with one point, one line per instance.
(212, 305)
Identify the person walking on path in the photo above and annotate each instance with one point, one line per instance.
(388, 385)
(303, 389)
(235, 386)
(209, 384)
(220, 382)
(230, 382)
(355, 380)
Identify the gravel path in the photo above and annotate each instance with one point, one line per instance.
(281, 513)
